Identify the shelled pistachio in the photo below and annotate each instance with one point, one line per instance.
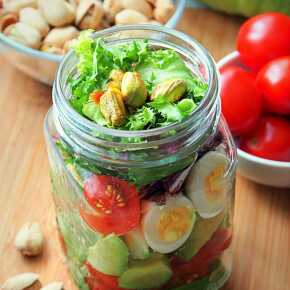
(172, 90)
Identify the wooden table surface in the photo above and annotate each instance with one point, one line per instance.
(262, 214)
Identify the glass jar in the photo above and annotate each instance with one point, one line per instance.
(144, 209)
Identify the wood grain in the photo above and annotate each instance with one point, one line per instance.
(262, 216)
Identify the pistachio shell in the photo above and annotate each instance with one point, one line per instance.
(89, 14)
(24, 34)
(164, 10)
(52, 49)
(129, 16)
(57, 37)
(17, 5)
(34, 18)
(172, 90)
(153, 2)
(53, 286)
(20, 282)
(133, 89)
(7, 19)
(112, 107)
(57, 12)
(112, 7)
(29, 240)
(141, 6)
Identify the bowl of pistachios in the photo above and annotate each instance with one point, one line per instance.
(35, 34)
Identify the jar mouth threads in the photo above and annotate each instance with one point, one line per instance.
(194, 129)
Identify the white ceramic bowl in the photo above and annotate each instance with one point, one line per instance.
(260, 170)
(41, 65)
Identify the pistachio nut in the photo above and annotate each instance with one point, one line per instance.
(153, 2)
(21, 282)
(116, 77)
(29, 240)
(141, 5)
(53, 286)
(34, 18)
(89, 14)
(112, 107)
(163, 10)
(133, 89)
(69, 45)
(57, 38)
(172, 90)
(17, 5)
(24, 34)
(57, 12)
(112, 7)
(7, 19)
(130, 16)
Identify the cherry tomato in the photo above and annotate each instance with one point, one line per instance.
(103, 281)
(241, 102)
(199, 265)
(263, 38)
(270, 139)
(115, 203)
(273, 81)
(96, 96)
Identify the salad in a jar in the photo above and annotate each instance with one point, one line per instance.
(166, 227)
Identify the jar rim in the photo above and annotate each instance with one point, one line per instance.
(208, 99)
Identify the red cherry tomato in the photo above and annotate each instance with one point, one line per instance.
(270, 139)
(273, 81)
(241, 102)
(263, 38)
(115, 203)
(96, 96)
(199, 265)
(103, 281)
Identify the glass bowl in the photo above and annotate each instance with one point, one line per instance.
(42, 65)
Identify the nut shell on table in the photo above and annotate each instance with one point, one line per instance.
(24, 34)
(133, 89)
(172, 90)
(130, 16)
(53, 286)
(7, 19)
(163, 10)
(34, 18)
(57, 12)
(112, 107)
(89, 14)
(17, 5)
(57, 38)
(29, 239)
(141, 6)
(21, 282)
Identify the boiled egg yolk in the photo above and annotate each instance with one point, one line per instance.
(174, 223)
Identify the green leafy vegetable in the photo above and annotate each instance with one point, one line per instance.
(95, 62)
(143, 118)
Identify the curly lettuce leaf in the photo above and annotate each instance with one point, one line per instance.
(143, 118)
(167, 64)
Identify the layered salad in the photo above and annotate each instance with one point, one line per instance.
(166, 227)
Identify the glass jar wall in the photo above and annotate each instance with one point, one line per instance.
(144, 209)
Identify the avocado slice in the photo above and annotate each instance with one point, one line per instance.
(202, 232)
(137, 245)
(109, 255)
(151, 273)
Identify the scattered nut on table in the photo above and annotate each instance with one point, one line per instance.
(22, 281)
(29, 240)
(53, 286)
(31, 22)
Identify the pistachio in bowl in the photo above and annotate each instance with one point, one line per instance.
(36, 33)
